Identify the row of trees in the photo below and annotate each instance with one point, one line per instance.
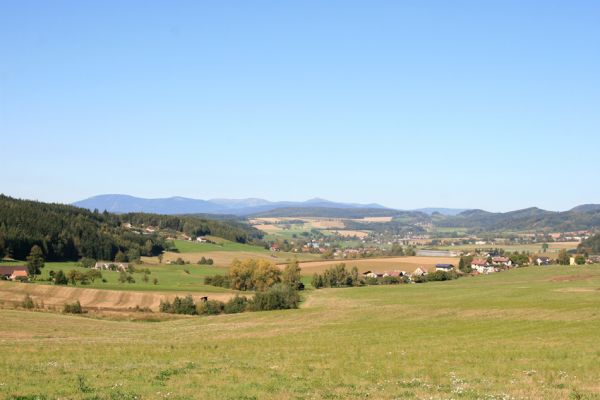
(257, 275)
(339, 276)
(277, 297)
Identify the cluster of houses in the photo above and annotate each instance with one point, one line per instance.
(420, 271)
(14, 273)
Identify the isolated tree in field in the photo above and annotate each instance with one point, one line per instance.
(35, 261)
(544, 247)
(160, 258)
(155, 281)
(291, 275)
(563, 257)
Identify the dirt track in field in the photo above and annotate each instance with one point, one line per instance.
(12, 293)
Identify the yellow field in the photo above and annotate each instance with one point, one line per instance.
(408, 264)
(12, 294)
(375, 219)
(222, 258)
(350, 233)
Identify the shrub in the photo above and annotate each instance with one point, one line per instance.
(74, 308)
(371, 281)
(60, 278)
(181, 305)
(210, 307)
(28, 302)
(390, 280)
(87, 262)
(217, 280)
(337, 276)
(279, 297)
(235, 305)
(442, 276)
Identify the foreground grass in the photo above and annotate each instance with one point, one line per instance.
(528, 333)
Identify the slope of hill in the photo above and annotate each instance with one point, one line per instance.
(586, 208)
(68, 233)
(527, 219)
(119, 203)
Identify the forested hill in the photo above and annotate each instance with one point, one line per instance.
(528, 219)
(68, 233)
(591, 245)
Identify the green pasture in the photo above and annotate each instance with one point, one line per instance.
(186, 278)
(529, 333)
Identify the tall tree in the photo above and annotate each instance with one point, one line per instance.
(291, 275)
(563, 257)
(35, 261)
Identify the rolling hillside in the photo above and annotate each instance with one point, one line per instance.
(68, 233)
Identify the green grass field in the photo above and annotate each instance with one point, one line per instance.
(185, 246)
(170, 277)
(529, 333)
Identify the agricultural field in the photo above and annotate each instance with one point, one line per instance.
(408, 264)
(528, 333)
(223, 253)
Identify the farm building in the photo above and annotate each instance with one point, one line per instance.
(421, 271)
(444, 267)
(394, 273)
(12, 273)
(502, 261)
(482, 266)
(111, 266)
(542, 261)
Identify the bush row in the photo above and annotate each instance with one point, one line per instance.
(278, 297)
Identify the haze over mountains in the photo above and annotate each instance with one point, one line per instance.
(120, 203)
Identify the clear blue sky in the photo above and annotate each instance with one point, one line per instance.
(479, 104)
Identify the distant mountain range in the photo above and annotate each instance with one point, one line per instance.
(121, 203)
(585, 216)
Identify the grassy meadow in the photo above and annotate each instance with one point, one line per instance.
(529, 333)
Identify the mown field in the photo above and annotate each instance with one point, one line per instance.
(529, 333)
(224, 253)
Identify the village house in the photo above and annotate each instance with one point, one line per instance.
(482, 266)
(421, 271)
(274, 247)
(444, 267)
(542, 261)
(504, 261)
(372, 274)
(201, 239)
(394, 273)
(111, 266)
(11, 273)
